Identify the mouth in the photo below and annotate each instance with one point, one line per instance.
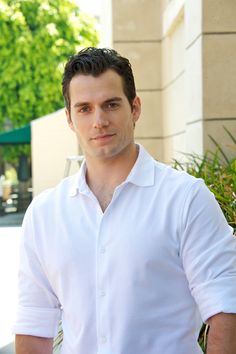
(102, 137)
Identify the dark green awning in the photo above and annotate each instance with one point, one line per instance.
(16, 136)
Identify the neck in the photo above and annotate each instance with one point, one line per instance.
(107, 171)
(104, 175)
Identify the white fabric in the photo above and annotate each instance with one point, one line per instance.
(138, 278)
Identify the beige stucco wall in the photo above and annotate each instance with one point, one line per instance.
(183, 53)
(136, 33)
(52, 142)
(211, 51)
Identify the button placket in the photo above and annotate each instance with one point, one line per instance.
(104, 241)
(102, 268)
(103, 339)
(102, 250)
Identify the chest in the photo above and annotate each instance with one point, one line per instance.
(104, 198)
(103, 195)
(136, 239)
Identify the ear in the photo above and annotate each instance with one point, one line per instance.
(69, 121)
(136, 109)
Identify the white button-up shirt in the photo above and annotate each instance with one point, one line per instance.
(138, 278)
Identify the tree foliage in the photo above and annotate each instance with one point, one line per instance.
(36, 38)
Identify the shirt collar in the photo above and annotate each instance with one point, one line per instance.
(79, 181)
(142, 173)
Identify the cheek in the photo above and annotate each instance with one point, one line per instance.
(129, 125)
(81, 129)
(76, 123)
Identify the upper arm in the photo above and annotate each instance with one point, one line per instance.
(39, 311)
(33, 345)
(208, 252)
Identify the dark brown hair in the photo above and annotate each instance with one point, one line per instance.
(95, 61)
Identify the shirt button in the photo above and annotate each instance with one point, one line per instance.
(103, 339)
(102, 293)
(103, 250)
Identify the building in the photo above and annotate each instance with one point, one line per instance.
(183, 53)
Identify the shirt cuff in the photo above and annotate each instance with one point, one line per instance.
(218, 295)
(39, 322)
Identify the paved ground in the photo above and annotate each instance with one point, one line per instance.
(9, 248)
(10, 231)
(8, 349)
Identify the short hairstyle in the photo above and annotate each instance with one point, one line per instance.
(95, 61)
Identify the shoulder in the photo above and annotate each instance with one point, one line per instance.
(175, 180)
(59, 193)
(183, 192)
(167, 183)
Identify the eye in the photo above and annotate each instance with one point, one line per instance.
(112, 106)
(84, 109)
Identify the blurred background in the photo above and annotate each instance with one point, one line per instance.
(36, 38)
(183, 54)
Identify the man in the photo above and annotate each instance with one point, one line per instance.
(129, 253)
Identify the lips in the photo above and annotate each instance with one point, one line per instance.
(102, 136)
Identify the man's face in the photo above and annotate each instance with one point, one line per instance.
(101, 115)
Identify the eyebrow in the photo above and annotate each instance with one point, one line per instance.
(118, 99)
(79, 104)
(112, 99)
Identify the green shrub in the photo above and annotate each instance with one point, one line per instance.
(220, 179)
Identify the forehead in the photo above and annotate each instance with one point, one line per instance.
(87, 87)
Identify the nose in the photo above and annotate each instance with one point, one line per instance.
(100, 120)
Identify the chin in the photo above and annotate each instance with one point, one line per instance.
(105, 153)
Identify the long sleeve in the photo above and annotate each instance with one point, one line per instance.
(38, 309)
